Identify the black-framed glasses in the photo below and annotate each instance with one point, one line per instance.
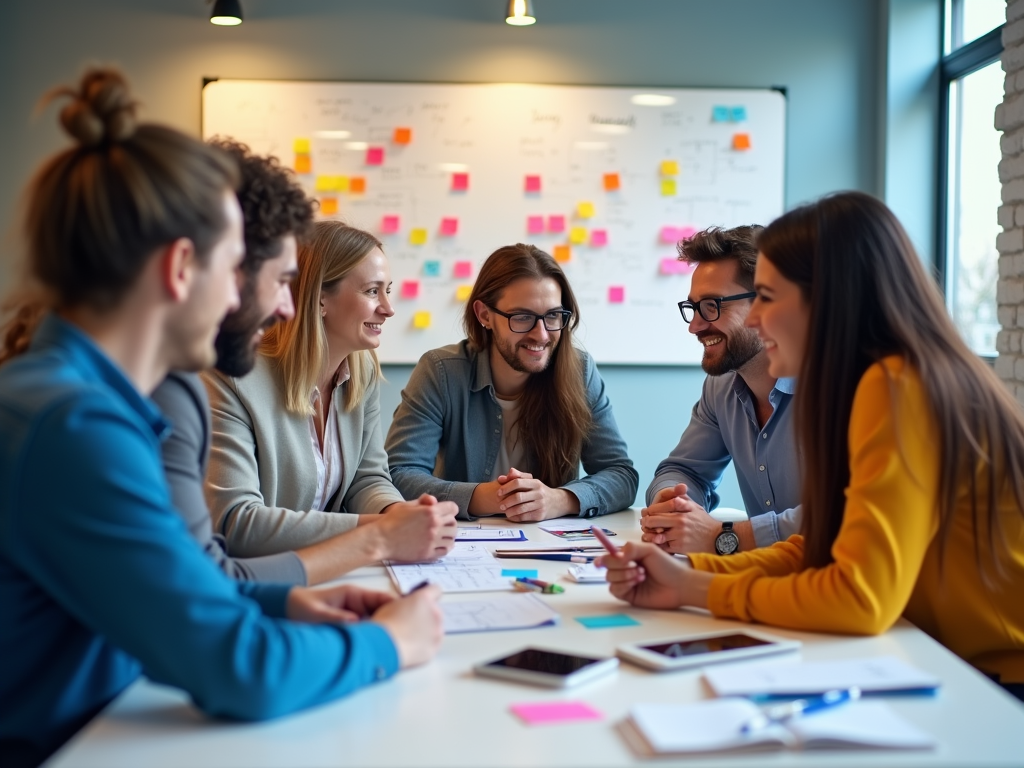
(524, 322)
(709, 309)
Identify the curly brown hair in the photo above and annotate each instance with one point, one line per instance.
(273, 203)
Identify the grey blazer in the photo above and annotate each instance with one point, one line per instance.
(262, 475)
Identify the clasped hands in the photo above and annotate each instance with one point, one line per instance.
(522, 498)
(677, 524)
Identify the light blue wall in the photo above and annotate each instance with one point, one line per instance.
(827, 54)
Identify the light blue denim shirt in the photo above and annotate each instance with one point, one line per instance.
(446, 434)
(724, 428)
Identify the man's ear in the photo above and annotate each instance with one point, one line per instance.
(178, 266)
(483, 314)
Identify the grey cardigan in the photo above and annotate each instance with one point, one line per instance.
(262, 476)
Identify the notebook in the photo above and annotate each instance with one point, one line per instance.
(715, 726)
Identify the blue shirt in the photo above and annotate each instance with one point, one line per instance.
(724, 428)
(100, 580)
(446, 434)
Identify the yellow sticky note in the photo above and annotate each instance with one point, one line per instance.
(578, 235)
(341, 183)
(326, 183)
(421, 320)
(303, 164)
(585, 210)
(462, 292)
(563, 253)
(328, 206)
(418, 236)
(301, 147)
(669, 168)
(668, 187)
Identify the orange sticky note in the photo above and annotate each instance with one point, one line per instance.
(357, 185)
(402, 136)
(303, 164)
(301, 146)
(669, 168)
(668, 187)
(611, 182)
(585, 210)
(462, 293)
(562, 253)
(578, 235)
(328, 206)
(418, 236)
(741, 141)
(421, 320)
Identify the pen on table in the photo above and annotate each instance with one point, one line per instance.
(783, 712)
(544, 586)
(605, 541)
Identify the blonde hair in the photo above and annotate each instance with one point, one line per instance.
(299, 346)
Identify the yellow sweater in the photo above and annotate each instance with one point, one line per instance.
(886, 555)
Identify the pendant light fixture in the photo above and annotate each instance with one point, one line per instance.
(520, 13)
(226, 13)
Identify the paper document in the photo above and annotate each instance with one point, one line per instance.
(571, 529)
(519, 611)
(786, 678)
(491, 534)
(716, 726)
(467, 568)
(588, 573)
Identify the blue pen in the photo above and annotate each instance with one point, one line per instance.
(783, 712)
(565, 558)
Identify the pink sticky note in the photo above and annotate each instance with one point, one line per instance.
(686, 232)
(533, 183)
(410, 289)
(449, 226)
(556, 223)
(375, 156)
(616, 294)
(463, 269)
(675, 267)
(534, 224)
(670, 234)
(460, 182)
(389, 225)
(598, 237)
(555, 712)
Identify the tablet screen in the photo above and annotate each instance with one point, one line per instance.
(683, 648)
(544, 661)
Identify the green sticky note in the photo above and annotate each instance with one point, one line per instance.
(606, 621)
(519, 573)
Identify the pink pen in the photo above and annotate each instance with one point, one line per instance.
(605, 541)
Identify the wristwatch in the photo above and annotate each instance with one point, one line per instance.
(727, 542)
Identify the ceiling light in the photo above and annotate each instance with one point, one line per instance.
(520, 13)
(226, 13)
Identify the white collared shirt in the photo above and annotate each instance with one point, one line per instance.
(330, 463)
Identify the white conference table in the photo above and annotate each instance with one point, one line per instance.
(442, 715)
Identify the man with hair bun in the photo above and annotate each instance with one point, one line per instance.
(743, 416)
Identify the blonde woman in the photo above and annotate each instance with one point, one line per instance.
(298, 455)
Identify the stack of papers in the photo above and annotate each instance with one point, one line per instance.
(588, 573)
(490, 534)
(467, 568)
(520, 611)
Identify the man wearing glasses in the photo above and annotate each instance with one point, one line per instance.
(743, 416)
(500, 422)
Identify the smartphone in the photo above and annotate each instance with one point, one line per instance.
(550, 668)
(701, 650)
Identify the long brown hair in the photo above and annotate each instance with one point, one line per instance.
(299, 345)
(870, 297)
(554, 417)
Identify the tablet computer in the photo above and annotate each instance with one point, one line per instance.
(555, 669)
(708, 648)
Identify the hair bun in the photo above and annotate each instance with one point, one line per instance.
(102, 110)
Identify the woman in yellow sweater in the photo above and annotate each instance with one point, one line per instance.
(913, 456)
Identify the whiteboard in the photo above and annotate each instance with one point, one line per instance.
(444, 174)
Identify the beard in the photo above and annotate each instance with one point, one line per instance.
(236, 352)
(509, 350)
(738, 350)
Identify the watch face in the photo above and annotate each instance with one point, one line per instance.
(726, 543)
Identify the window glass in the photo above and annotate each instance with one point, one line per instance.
(974, 197)
(967, 20)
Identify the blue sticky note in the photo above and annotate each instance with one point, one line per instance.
(519, 573)
(432, 269)
(719, 114)
(739, 114)
(609, 620)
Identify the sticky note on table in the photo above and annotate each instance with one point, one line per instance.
(585, 210)
(611, 182)
(421, 320)
(607, 621)
(556, 223)
(720, 114)
(303, 164)
(562, 253)
(578, 235)
(519, 573)
(668, 187)
(532, 184)
(463, 292)
(669, 168)
(402, 136)
(598, 237)
(375, 156)
(449, 226)
(389, 225)
(301, 146)
(418, 236)
(738, 114)
(410, 289)
(432, 269)
(534, 225)
(463, 269)
(547, 712)
(741, 141)
(328, 206)
(674, 267)
(616, 294)
(460, 182)
(357, 185)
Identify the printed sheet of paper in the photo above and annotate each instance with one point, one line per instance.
(491, 534)
(519, 611)
(467, 568)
